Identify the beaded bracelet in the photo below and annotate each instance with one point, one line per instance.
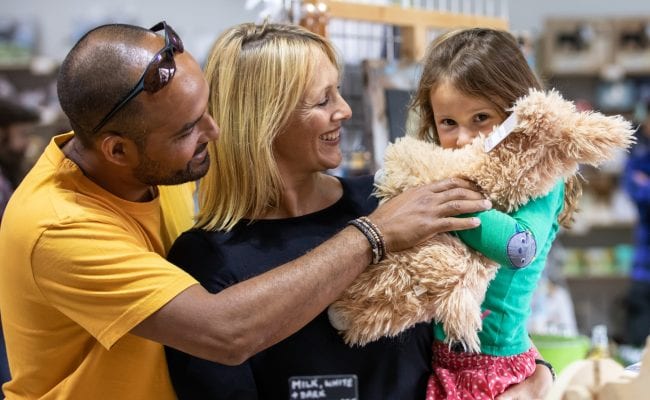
(372, 239)
(378, 236)
(374, 236)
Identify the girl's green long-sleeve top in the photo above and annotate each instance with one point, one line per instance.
(512, 240)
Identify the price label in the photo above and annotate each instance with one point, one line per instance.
(324, 387)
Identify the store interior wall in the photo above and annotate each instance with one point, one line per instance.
(60, 23)
(198, 22)
(530, 14)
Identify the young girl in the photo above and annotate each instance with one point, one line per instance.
(470, 80)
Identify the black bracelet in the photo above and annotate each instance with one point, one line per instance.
(547, 365)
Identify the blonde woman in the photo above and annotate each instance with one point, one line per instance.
(267, 200)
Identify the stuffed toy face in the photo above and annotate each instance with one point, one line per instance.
(442, 279)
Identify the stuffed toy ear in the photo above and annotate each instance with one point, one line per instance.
(586, 137)
(595, 137)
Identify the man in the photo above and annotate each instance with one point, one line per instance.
(86, 296)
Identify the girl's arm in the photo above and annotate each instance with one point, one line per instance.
(513, 239)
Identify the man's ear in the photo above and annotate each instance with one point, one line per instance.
(119, 150)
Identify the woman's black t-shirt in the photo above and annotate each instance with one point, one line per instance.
(390, 368)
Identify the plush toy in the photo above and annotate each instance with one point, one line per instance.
(443, 279)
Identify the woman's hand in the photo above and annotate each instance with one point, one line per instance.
(535, 386)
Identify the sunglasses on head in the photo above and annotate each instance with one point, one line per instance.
(157, 75)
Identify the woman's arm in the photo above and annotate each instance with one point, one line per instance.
(535, 386)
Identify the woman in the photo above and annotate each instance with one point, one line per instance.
(266, 200)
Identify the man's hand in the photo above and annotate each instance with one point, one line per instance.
(421, 212)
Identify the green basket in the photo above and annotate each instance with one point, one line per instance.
(561, 350)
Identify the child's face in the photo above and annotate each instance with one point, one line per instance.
(459, 118)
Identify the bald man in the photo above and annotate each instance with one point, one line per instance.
(86, 296)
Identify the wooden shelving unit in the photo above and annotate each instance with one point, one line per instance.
(413, 22)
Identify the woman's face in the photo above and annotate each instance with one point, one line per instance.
(310, 142)
(459, 118)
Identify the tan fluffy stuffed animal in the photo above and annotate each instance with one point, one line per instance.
(442, 279)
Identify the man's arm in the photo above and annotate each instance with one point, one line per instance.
(232, 325)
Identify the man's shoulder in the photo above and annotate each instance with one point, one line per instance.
(53, 196)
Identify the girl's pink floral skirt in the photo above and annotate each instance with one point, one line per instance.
(462, 375)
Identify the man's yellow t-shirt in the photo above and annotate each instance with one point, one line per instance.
(80, 268)
(177, 207)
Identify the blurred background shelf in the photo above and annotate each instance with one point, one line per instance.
(599, 236)
(599, 300)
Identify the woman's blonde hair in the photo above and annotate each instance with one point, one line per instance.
(482, 63)
(258, 75)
